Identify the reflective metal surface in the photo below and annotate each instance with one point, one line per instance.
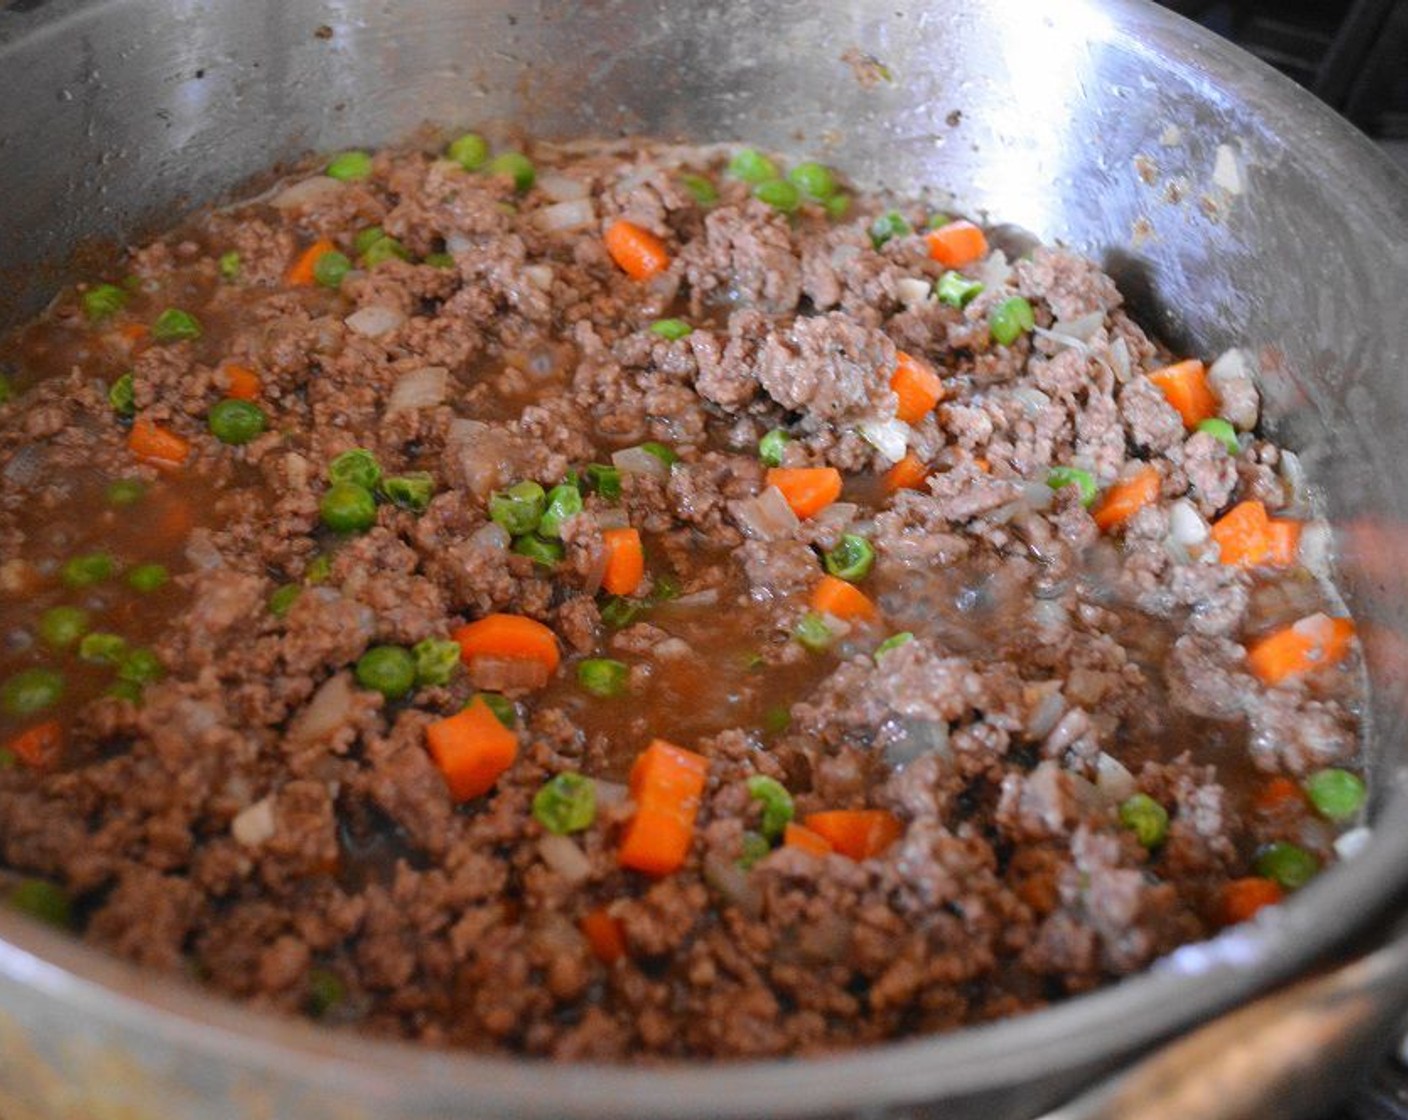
(1231, 207)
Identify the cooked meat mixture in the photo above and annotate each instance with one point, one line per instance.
(646, 603)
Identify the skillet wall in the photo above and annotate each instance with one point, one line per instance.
(1232, 209)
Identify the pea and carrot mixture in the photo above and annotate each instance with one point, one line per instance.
(617, 601)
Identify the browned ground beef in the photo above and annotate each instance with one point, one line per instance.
(258, 821)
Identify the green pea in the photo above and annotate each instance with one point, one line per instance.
(236, 422)
(815, 180)
(894, 641)
(1010, 319)
(389, 670)
(410, 491)
(175, 325)
(121, 397)
(1336, 794)
(701, 189)
(1223, 432)
(619, 612)
(772, 446)
(102, 648)
(779, 194)
(501, 706)
(126, 690)
(1060, 477)
(753, 848)
(516, 167)
(1146, 818)
(87, 570)
(229, 265)
(436, 659)
(140, 666)
(667, 455)
(125, 492)
(350, 166)
(957, 290)
(837, 206)
(348, 508)
(605, 480)
(548, 554)
(384, 249)
(667, 587)
(43, 901)
(887, 227)
(938, 219)
(672, 329)
(518, 509)
(30, 691)
(283, 598)
(330, 269)
(326, 992)
(319, 569)
(601, 676)
(358, 465)
(812, 633)
(366, 238)
(752, 166)
(1288, 864)
(566, 803)
(60, 627)
(563, 502)
(147, 578)
(439, 260)
(777, 719)
(470, 151)
(778, 808)
(851, 559)
(103, 301)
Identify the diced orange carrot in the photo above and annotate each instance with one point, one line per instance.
(957, 244)
(604, 935)
(638, 252)
(1241, 898)
(300, 273)
(1313, 642)
(471, 748)
(808, 490)
(509, 637)
(625, 561)
(982, 464)
(243, 382)
(840, 599)
(1185, 386)
(133, 333)
(857, 833)
(800, 836)
(1282, 542)
(152, 443)
(1126, 498)
(908, 474)
(1240, 534)
(40, 746)
(1277, 792)
(173, 523)
(666, 784)
(917, 386)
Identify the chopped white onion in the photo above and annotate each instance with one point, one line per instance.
(1082, 328)
(1033, 401)
(837, 514)
(1232, 381)
(913, 738)
(705, 598)
(457, 243)
(254, 824)
(504, 674)
(1050, 613)
(296, 468)
(422, 388)
(610, 793)
(613, 517)
(1119, 357)
(912, 291)
(889, 437)
(1050, 708)
(26, 466)
(1226, 171)
(734, 886)
(490, 535)
(1316, 548)
(1293, 472)
(1176, 551)
(1351, 843)
(1038, 495)
(672, 649)
(539, 275)
(1186, 524)
(326, 713)
(562, 854)
(767, 517)
(375, 321)
(1113, 779)
(562, 188)
(636, 460)
(596, 570)
(462, 431)
(561, 216)
(307, 193)
(995, 271)
(844, 254)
